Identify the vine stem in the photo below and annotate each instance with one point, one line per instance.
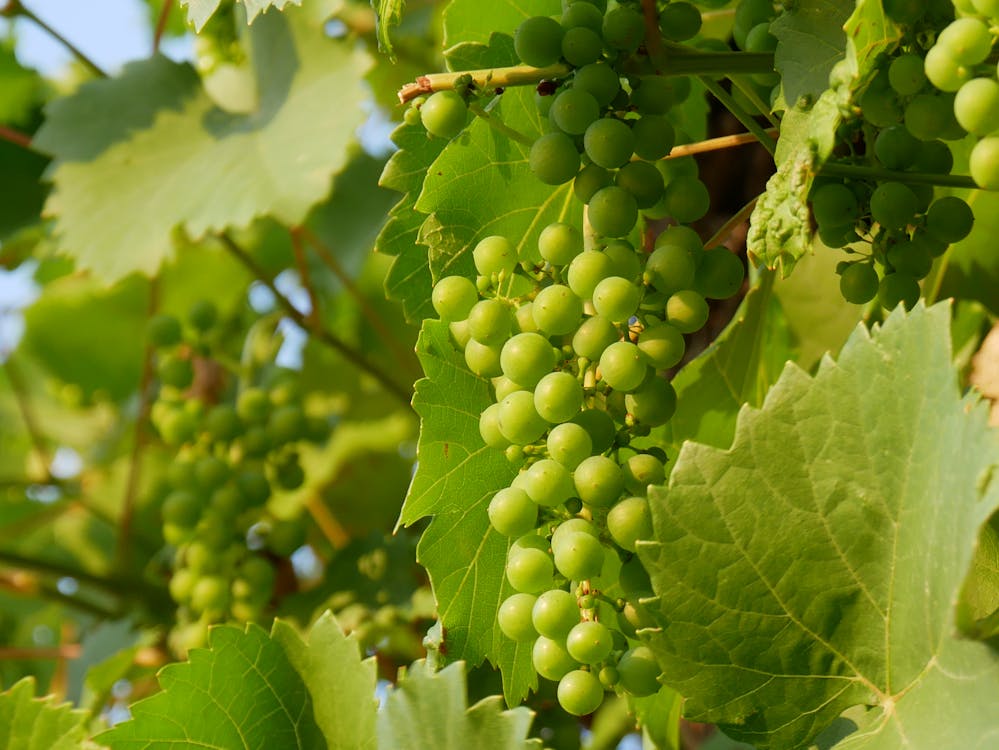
(833, 169)
(653, 40)
(111, 585)
(65, 651)
(729, 226)
(16, 137)
(18, 9)
(717, 144)
(35, 434)
(499, 126)
(349, 353)
(304, 276)
(740, 114)
(161, 23)
(516, 75)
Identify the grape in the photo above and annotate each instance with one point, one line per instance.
(514, 618)
(599, 481)
(748, 14)
(489, 426)
(859, 283)
(984, 163)
(656, 95)
(558, 397)
(896, 288)
(687, 311)
(613, 211)
(976, 106)
(559, 243)
(616, 299)
(582, 14)
(599, 80)
(551, 660)
(835, 205)
(572, 526)
(554, 159)
(905, 11)
(529, 570)
(176, 371)
(483, 359)
(538, 41)
(686, 199)
(569, 444)
(210, 473)
(600, 427)
(444, 114)
(653, 403)
(182, 584)
(203, 315)
(222, 423)
(893, 205)
(623, 29)
(555, 613)
(253, 406)
(935, 157)
(164, 331)
(643, 181)
(623, 366)
(548, 483)
(905, 74)
(524, 315)
(254, 487)
(227, 501)
(589, 642)
(630, 520)
(557, 310)
(578, 556)
(587, 270)
(720, 273)
(943, 71)
(880, 105)
(638, 671)
(654, 137)
(181, 508)
(581, 46)
(911, 258)
(950, 219)
(573, 110)
(490, 322)
(967, 41)
(453, 297)
(286, 424)
(526, 358)
(670, 268)
(679, 21)
(640, 471)
(210, 595)
(896, 147)
(494, 255)
(608, 142)
(626, 262)
(579, 692)
(589, 180)
(593, 336)
(519, 421)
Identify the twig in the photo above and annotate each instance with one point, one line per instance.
(38, 441)
(857, 171)
(17, 138)
(73, 49)
(161, 23)
(328, 524)
(517, 75)
(716, 144)
(65, 651)
(740, 114)
(653, 39)
(112, 585)
(313, 316)
(352, 355)
(727, 228)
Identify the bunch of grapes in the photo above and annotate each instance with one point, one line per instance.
(232, 455)
(576, 350)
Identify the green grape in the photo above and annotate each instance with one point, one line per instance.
(317, 429)
(984, 163)
(623, 366)
(572, 526)
(526, 358)
(557, 310)
(494, 255)
(748, 14)
(670, 268)
(519, 421)
(589, 180)
(286, 536)
(211, 472)
(608, 677)
(656, 95)
(551, 660)
(639, 671)
(555, 613)
(589, 642)
(578, 556)
(444, 114)
(579, 692)
(634, 580)
(181, 508)
(905, 11)
(286, 424)
(559, 243)
(222, 423)
(609, 142)
(200, 557)
(613, 212)
(256, 442)
(558, 397)
(935, 246)
(175, 371)
(538, 41)
(483, 359)
(623, 29)
(254, 487)
(529, 570)
(581, 46)
(911, 258)
(654, 137)
(687, 311)
(514, 618)
(203, 315)
(524, 315)
(896, 147)
(988, 8)
(927, 116)
(616, 299)
(164, 331)
(859, 283)
(253, 406)
(976, 106)
(625, 261)
(593, 336)
(967, 41)
(950, 219)
(835, 205)
(943, 71)
(182, 584)
(934, 157)
(720, 273)
(260, 575)
(210, 595)
(896, 288)
(653, 403)
(569, 444)
(643, 181)
(905, 74)
(227, 501)
(686, 199)
(599, 481)
(630, 520)
(893, 205)
(837, 236)
(600, 427)
(490, 322)
(587, 270)
(880, 105)
(759, 39)
(582, 14)
(573, 110)
(489, 427)
(554, 159)
(548, 483)
(453, 297)
(177, 426)
(289, 475)
(640, 471)
(679, 21)
(599, 80)
(512, 513)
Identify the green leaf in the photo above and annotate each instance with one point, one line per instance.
(21, 89)
(810, 41)
(659, 717)
(22, 193)
(228, 169)
(199, 11)
(978, 610)
(456, 476)
(474, 21)
(29, 723)
(388, 13)
(429, 710)
(832, 541)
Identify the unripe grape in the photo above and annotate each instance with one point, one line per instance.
(943, 71)
(559, 243)
(643, 181)
(984, 163)
(896, 147)
(893, 205)
(967, 41)
(613, 211)
(548, 483)
(227, 501)
(286, 424)
(656, 95)
(654, 137)
(898, 288)
(573, 110)
(490, 322)
(686, 199)
(519, 421)
(254, 486)
(211, 472)
(589, 642)
(555, 613)
(514, 618)
(494, 255)
(587, 270)
(623, 366)
(210, 595)
(176, 371)
(581, 46)
(503, 387)
(950, 219)
(880, 105)
(625, 261)
(928, 116)
(554, 159)
(524, 317)
(253, 405)
(834, 204)
(579, 692)
(557, 310)
(976, 106)
(905, 74)
(529, 570)
(181, 508)
(526, 358)
(600, 427)
(582, 14)
(670, 268)
(599, 80)
(609, 142)
(483, 359)
(687, 311)
(572, 526)
(635, 580)
(616, 299)
(630, 520)
(679, 21)
(638, 671)
(653, 403)
(489, 427)
(538, 41)
(680, 235)
(578, 556)
(569, 444)
(911, 258)
(164, 330)
(203, 315)
(859, 283)
(182, 583)
(453, 297)
(599, 482)
(444, 114)
(589, 180)
(551, 660)
(558, 397)
(623, 29)
(720, 273)
(640, 471)
(593, 336)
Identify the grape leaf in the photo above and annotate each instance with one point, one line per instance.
(21, 89)
(388, 13)
(429, 710)
(227, 170)
(810, 40)
(29, 723)
(833, 538)
(22, 193)
(199, 11)
(455, 478)
(474, 21)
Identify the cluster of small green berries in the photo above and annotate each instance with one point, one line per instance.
(576, 350)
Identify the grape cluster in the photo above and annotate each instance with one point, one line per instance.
(576, 351)
(232, 455)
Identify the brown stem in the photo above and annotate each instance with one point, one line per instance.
(37, 437)
(161, 23)
(653, 40)
(328, 524)
(716, 144)
(16, 137)
(351, 354)
(304, 276)
(73, 49)
(517, 75)
(65, 651)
